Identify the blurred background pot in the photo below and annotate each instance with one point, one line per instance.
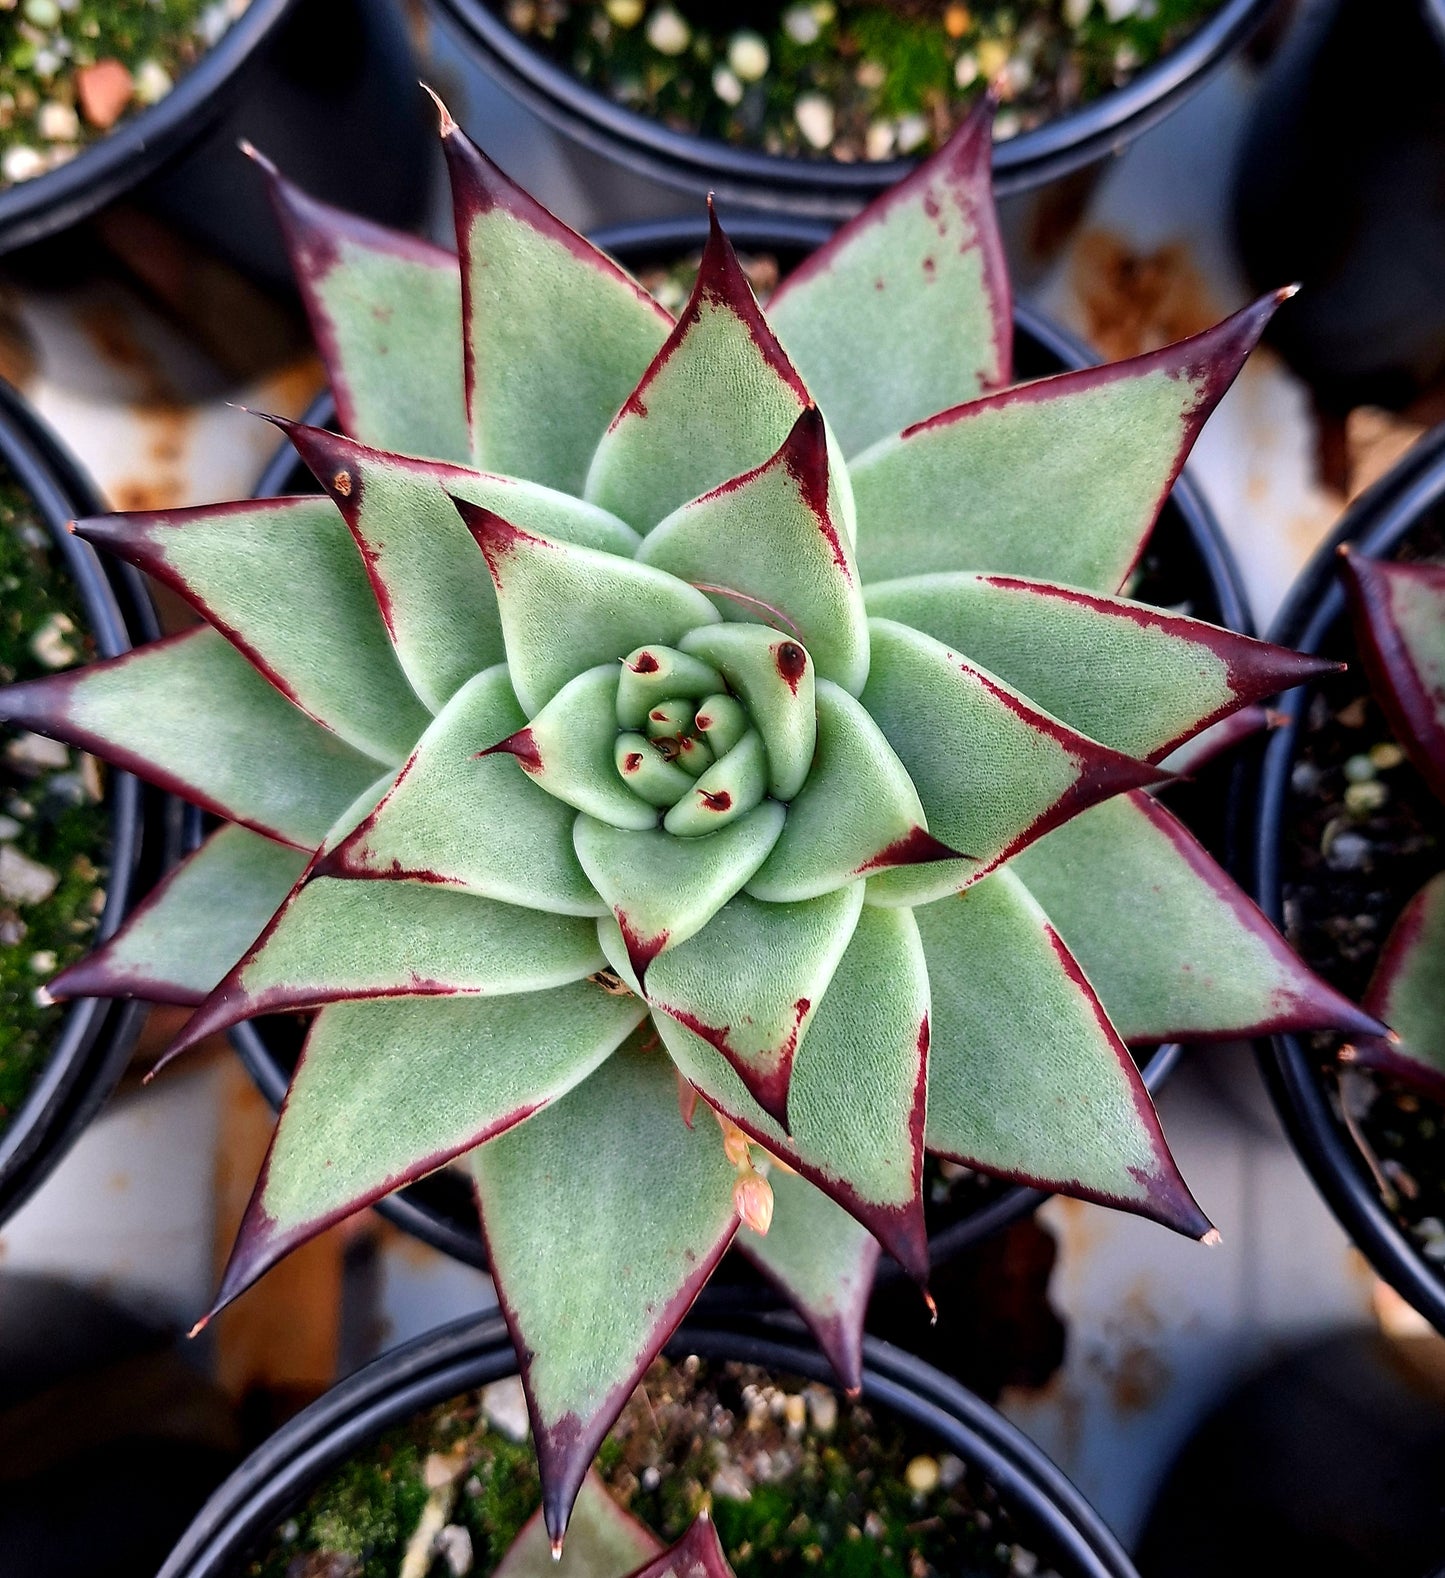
(1308, 888)
(939, 1417)
(93, 1039)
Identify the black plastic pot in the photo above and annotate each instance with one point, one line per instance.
(469, 1354)
(826, 188)
(1313, 620)
(326, 87)
(1341, 185)
(95, 1036)
(440, 1209)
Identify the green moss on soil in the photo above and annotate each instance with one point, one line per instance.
(824, 1497)
(49, 815)
(45, 45)
(878, 80)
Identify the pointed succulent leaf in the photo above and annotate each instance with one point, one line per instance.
(191, 715)
(1399, 618)
(569, 750)
(556, 334)
(471, 822)
(767, 542)
(654, 676)
(1407, 992)
(281, 579)
(857, 813)
(179, 942)
(721, 721)
(727, 789)
(406, 526)
(1027, 1079)
(386, 1092)
(603, 1541)
(1063, 478)
(869, 1037)
(386, 314)
(717, 400)
(1199, 961)
(823, 1261)
(750, 982)
(664, 890)
(923, 267)
(648, 773)
(606, 1179)
(1167, 676)
(334, 941)
(612, 604)
(775, 678)
(698, 1554)
(992, 771)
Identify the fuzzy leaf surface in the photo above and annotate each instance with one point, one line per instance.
(281, 579)
(823, 1261)
(770, 537)
(858, 1094)
(1201, 961)
(476, 824)
(603, 1541)
(556, 334)
(1027, 1079)
(1167, 676)
(189, 714)
(1399, 618)
(1407, 992)
(603, 1217)
(183, 938)
(993, 772)
(565, 609)
(924, 268)
(719, 398)
(750, 981)
(386, 1092)
(386, 314)
(663, 890)
(1061, 479)
(403, 520)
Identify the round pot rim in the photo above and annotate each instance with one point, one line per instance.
(31, 210)
(687, 161)
(93, 1043)
(1014, 1202)
(467, 1353)
(1374, 523)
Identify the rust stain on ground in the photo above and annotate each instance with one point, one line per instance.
(1136, 301)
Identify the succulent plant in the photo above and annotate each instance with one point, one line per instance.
(605, 1541)
(739, 709)
(1398, 612)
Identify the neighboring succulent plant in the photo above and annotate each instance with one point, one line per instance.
(606, 1541)
(1398, 611)
(635, 752)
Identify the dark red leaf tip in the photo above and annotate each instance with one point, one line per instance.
(522, 745)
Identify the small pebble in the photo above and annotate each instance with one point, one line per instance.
(951, 1470)
(922, 1475)
(454, 1546)
(816, 120)
(1304, 778)
(1346, 851)
(48, 643)
(667, 32)
(44, 962)
(748, 56)
(965, 70)
(21, 164)
(1005, 125)
(992, 57)
(1359, 769)
(1386, 755)
(625, 13)
(442, 1469)
(58, 123)
(871, 74)
(36, 751)
(289, 1531)
(651, 1477)
(1023, 1563)
(731, 1484)
(9, 828)
(823, 1408)
(878, 142)
(43, 13)
(795, 1411)
(956, 20)
(104, 90)
(505, 1405)
(913, 132)
(1362, 799)
(1120, 10)
(874, 1526)
(152, 82)
(726, 85)
(801, 24)
(1075, 11)
(23, 880)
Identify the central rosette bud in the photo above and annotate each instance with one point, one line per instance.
(688, 744)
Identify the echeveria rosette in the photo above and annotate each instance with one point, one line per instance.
(619, 732)
(1398, 612)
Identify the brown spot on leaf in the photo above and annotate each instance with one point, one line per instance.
(342, 483)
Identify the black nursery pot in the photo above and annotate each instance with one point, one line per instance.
(1188, 562)
(827, 188)
(325, 87)
(95, 1037)
(469, 1354)
(1315, 620)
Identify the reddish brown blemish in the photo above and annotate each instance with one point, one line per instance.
(658, 716)
(632, 761)
(792, 663)
(523, 746)
(914, 848)
(341, 482)
(641, 951)
(930, 268)
(719, 801)
(702, 722)
(645, 663)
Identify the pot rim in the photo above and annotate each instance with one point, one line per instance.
(31, 210)
(413, 1213)
(1374, 524)
(829, 188)
(468, 1353)
(92, 1046)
